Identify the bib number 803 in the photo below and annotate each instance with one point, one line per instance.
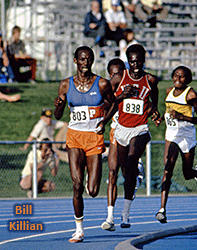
(79, 116)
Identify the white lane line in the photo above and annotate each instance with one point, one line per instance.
(44, 234)
(86, 228)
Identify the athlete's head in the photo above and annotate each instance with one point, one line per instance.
(84, 48)
(136, 58)
(84, 58)
(183, 72)
(137, 49)
(115, 66)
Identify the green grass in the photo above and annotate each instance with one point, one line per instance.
(18, 119)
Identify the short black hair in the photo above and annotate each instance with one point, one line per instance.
(16, 28)
(127, 31)
(187, 71)
(136, 48)
(84, 48)
(116, 61)
(46, 141)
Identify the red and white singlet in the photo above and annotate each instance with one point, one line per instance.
(133, 110)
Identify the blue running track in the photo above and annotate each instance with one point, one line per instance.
(56, 216)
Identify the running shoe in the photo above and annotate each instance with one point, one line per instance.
(195, 178)
(76, 237)
(141, 169)
(125, 221)
(161, 217)
(140, 177)
(106, 225)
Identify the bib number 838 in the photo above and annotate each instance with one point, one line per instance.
(133, 106)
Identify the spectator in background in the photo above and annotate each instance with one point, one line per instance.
(45, 128)
(5, 66)
(19, 59)
(95, 24)
(116, 22)
(149, 11)
(129, 9)
(128, 39)
(45, 158)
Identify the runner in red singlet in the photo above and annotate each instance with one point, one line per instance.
(132, 131)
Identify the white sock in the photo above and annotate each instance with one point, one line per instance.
(79, 224)
(127, 205)
(161, 210)
(110, 216)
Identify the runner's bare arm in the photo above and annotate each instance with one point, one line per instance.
(153, 82)
(60, 101)
(108, 95)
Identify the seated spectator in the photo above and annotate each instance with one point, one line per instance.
(45, 158)
(6, 71)
(129, 9)
(45, 128)
(149, 11)
(24, 67)
(95, 24)
(128, 40)
(116, 22)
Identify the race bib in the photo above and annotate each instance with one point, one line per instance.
(170, 122)
(133, 106)
(80, 114)
(115, 117)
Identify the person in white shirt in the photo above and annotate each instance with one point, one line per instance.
(129, 10)
(128, 40)
(116, 22)
(45, 128)
(45, 158)
(151, 11)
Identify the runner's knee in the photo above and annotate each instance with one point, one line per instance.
(78, 188)
(93, 190)
(112, 176)
(166, 182)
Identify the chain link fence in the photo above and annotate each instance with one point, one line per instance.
(13, 160)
